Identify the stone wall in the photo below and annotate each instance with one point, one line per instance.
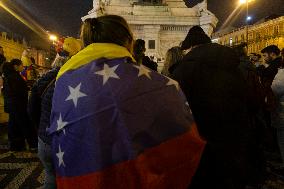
(12, 49)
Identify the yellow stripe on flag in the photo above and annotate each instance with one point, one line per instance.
(94, 52)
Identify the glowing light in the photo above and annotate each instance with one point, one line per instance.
(245, 1)
(53, 37)
(249, 18)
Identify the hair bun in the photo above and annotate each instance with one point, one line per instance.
(95, 23)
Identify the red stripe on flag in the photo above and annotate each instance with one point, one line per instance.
(172, 164)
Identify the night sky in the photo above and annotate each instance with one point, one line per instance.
(64, 16)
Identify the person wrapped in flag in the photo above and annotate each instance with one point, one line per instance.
(117, 124)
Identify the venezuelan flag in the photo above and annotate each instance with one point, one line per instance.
(117, 124)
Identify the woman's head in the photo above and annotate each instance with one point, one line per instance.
(26, 52)
(12, 66)
(17, 65)
(139, 50)
(173, 56)
(107, 29)
(241, 49)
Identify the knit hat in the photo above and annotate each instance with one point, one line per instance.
(195, 36)
(72, 45)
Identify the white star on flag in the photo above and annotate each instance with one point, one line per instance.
(60, 155)
(75, 94)
(143, 71)
(173, 82)
(61, 124)
(108, 72)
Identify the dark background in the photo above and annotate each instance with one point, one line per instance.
(64, 16)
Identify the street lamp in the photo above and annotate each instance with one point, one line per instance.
(53, 38)
(248, 18)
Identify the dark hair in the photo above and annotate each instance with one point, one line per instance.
(240, 49)
(195, 36)
(255, 54)
(271, 49)
(15, 62)
(8, 68)
(139, 46)
(139, 49)
(106, 29)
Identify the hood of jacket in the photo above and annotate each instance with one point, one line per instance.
(214, 55)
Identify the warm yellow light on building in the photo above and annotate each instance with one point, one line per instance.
(260, 35)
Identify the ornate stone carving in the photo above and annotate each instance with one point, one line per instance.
(98, 8)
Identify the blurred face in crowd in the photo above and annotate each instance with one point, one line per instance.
(19, 68)
(254, 58)
(267, 57)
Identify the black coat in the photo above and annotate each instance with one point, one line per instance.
(15, 92)
(254, 89)
(210, 77)
(2, 61)
(267, 76)
(40, 103)
(146, 61)
(214, 87)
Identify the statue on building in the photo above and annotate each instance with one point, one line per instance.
(202, 8)
(98, 8)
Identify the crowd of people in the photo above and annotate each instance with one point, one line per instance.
(103, 117)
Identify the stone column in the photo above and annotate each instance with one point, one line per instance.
(152, 32)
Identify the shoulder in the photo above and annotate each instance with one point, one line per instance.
(46, 79)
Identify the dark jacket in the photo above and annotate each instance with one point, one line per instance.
(41, 102)
(172, 69)
(254, 89)
(15, 91)
(2, 61)
(210, 77)
(267, 76)
(146, 61)
(214, 87)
